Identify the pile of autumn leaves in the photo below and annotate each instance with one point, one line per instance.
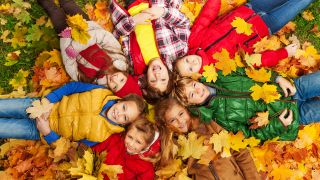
(278, 160)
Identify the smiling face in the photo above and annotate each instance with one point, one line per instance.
(123, 112)
(189, 65)
(158, 75)
(134, 141)
(196, 93)
(178, 119)
(116, 81)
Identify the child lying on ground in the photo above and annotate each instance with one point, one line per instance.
(135, 151)
(81, 112)
(100, 60)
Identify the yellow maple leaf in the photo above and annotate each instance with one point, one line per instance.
(242, 27)
(191, 9)
(281, 173)
(111, 171)
(39, 107)
(208, 156)
(307, 15)
(236, 141)
(238, 60)
(252, 141)
(84, 166)
(18, 93)
(171, 169)
(79, 28)
(221, 142)
(228, 5)
(260, 75)
(61, 147)
(209, 72)
(308, 57)
(19, 36)
(261, 119)
(306, 137)
(225, 64)
(267, 43)
(268, 93)
(182, 175)
(284, 40)
(191, 147)
(19, 79)
(253, 59)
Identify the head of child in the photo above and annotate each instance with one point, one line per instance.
(170, 113)
(190, 92)
(188, 65)
(127, 109)
(139, 136)
(159, 80)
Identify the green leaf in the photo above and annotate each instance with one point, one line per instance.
(10, 63)
(24, 16)
(35, 33)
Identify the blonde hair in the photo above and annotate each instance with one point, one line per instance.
(179, 91)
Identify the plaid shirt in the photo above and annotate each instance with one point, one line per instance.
(172, 30)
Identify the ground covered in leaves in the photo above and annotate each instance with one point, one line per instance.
(30, 65)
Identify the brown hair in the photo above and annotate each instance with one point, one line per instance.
(148, 129)
(152, 95)
(179, 90)
(167, 143)
(142, 106)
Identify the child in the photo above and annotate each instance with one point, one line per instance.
(229, 102)
(155, 44)
(136, 151)
(81, 112)
(210, 33)
(172, 116)
(101, 60)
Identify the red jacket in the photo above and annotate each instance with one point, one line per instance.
(211, 33)
(134, 168)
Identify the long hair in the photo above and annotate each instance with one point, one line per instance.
(167, 135)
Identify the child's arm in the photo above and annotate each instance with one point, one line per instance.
(246, 164)
(110, 141)
(70, 88)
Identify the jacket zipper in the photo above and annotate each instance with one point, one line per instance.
(225, 35)
(252, 38)
(213, 171)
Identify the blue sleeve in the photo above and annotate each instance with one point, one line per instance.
(88, 143)
(70, 88)
(51, 137)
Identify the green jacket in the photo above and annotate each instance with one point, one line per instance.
(233, 106)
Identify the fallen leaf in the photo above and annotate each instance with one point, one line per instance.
(41, 107)
(209, 72)
(242, 27)
(307, 15)
(253, 59)
(111, 171)
(221, 143)
(171, 169)
(182, 175)
(208, 156)
(261, 119)
(41, 21)
(260, 75)
(236, 141)
(79, 28)
(225, 64)
(19, 79)
(191, 147)
(268, 93)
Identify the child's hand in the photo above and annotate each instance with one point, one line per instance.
(286, 121)
(292, 49)
(286, 86)
(154, 11)
(43, 125)
(142, 18)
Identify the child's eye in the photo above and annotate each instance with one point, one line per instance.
(194, 85)
(190, 69)
(181, 113)
(172, 120)
(122, 80)
(138, 142)
(115, 87)
(123, 107)
(163, 80)
(191, 95)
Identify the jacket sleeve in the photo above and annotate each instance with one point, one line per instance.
(246, 164)
(209, 13)
(123, 22)
(70, 88)
(103, 145)
(271, 58)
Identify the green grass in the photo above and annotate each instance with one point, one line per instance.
(50, 41)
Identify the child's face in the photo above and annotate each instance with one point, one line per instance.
(196, 93)
(123, 112)
(178, 119)
(158, 75)
(189, 65)
(134, 141)
(116, 81)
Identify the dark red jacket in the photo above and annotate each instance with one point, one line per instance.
(211, 33)
(134, 168)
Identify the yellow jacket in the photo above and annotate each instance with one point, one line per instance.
(77, 116)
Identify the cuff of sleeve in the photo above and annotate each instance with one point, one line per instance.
(165, 14)
(51, 137)
(283, 53)
(52, 97)
(131, 21)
